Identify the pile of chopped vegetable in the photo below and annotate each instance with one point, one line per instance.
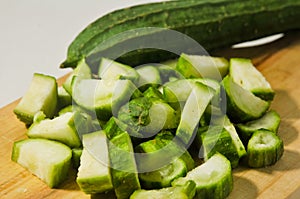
(170, 130)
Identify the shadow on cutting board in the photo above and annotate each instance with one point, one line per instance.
(109, 195)
(243, 188)
(286, 106)
(295, 194)
(289, 112)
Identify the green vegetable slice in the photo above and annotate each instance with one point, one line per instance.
(195, 66)
(235, 137)
(123, 167)
(242, 105)
(192, 111)
(244, 73)
(94, 171)
(61, 128)
(48, 160)
(213, 178)
(264, 149)
(114, 127)
(82, 71)
(177, 92)
(186, 191)
(103, 97)
(149, 76)
(109, 70)
(166, 138)
(211, 83)
(147, 116)
(269, 121)
(163, 176)
(40, 96)
(218, 139)
(164, 149)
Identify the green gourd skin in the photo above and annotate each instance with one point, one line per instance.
(213, 24)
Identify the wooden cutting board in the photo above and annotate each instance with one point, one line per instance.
(278, 61)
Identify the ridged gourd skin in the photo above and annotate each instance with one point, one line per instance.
(213, 24)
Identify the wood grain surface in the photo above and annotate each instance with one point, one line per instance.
(278, 61)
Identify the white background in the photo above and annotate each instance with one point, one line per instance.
(35, 34)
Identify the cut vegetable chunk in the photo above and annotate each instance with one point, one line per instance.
(123, 167)
(82, 71)
(264, 148)
(242, 105)
(241, 151)
(41, 96)
(213, 178)
(270, 121)
(192, 111)
(103, 97)
(194, 66)
(215, 85)
(65, 128)
(177, 92)
(166, 138)
(163, 176)
(110, 70)
(164, 149)
(244, 73)
(48, 160)
(114, 127)
(149, 76)
(148, 116)
(186, 191)
(167, 115)
(218, 139)
(94, 171)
